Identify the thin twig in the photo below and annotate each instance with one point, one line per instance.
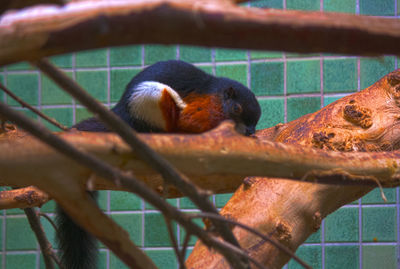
(34, 110)
(44, 244)
(126, 180)
(277, 244)
(147, 154)
(184, 246)
(174, 242)
(41, 214)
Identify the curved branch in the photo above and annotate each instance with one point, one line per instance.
(23, 198)
(31, 35)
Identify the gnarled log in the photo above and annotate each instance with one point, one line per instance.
(292, 211)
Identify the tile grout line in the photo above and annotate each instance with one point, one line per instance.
(73, 63)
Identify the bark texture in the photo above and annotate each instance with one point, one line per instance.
(292, 211)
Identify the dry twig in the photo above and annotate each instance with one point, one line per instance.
(31, 108)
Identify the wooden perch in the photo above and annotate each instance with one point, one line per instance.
(23, 198)
(290, 211)
(36, 32)
(218, 160)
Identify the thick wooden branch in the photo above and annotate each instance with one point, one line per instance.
(37, 32)
(290, 211)
(23, 198)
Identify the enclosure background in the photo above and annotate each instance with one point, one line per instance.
(363, 234)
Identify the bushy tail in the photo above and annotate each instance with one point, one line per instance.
(78, 247)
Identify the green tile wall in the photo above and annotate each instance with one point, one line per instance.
(363, 234)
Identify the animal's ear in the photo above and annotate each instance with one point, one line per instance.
(229, 93)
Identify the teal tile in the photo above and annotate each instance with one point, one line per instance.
(312, 255)
(119, 78)
(82, 114)
(132, 223)
(49, 231)
(115, 262)
(156, 233)
(124, 201)
(91, 58)
(52, 94)
(102, 199)
(29, 114)
(20, 66)
(15, 211)
(61, 115)
(14, 261)
(339, 257)
(371, 7)
(342, 226)
(303, 76)
(222, 199)
(207, 69)
(265, 54)
(373, 69)
(272, 112)
(172, 202)
(192, 239)
(297, 107)
(340, 75)
(195, 54)
(49, 207)
(222, 55)
(379, 224)
(374, 197)
(303, 5)
(126, 56)
(186, 203)
(267, 78)
(330, 99)
(267, 4)
(102, 261)
(380, 257)
(315, 237)
(340, 6)
(155, 53)
(164, 259)
(236, 72)
(301, 55)
(1, 234)
(94, 82)
(62, 61)
(19, 234)
(25, 86)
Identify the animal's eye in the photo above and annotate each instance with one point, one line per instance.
(237, 109)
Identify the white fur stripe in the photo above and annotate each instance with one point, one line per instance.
(144, 103)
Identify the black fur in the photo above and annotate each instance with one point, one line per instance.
(78, 247)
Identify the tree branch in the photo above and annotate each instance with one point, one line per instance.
(78, 26)
(45, 246)
(290, 211)
(23, 198)
(75, 202)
